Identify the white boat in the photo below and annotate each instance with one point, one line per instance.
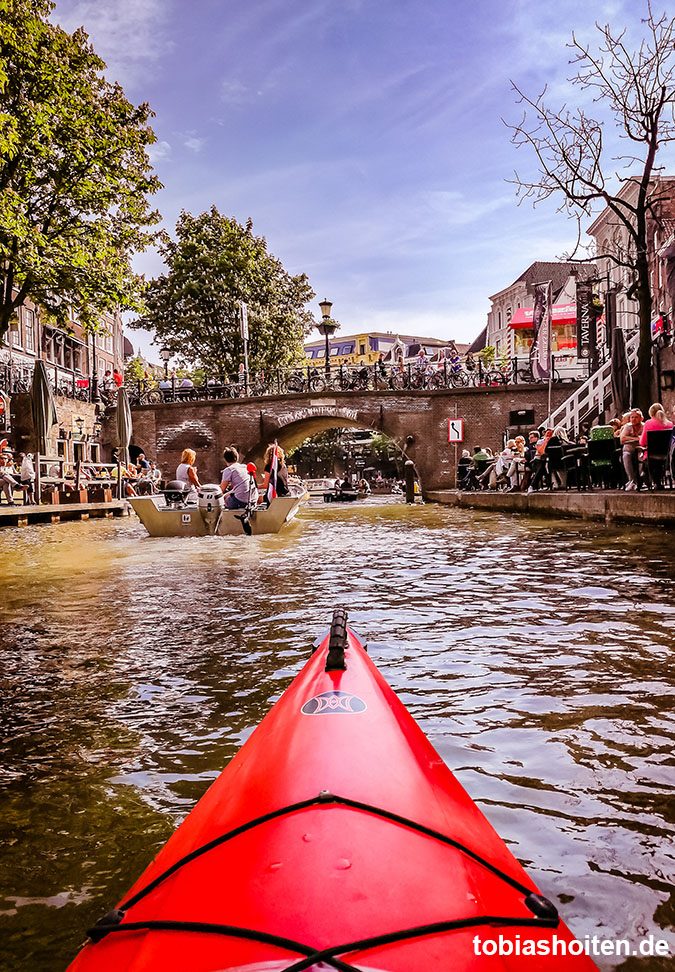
(168, 515)
(317, 487)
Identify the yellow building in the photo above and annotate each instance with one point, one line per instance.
(364, 349)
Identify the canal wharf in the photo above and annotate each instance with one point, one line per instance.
(608, 506)
(58, 512)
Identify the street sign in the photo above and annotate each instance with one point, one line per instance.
(244, 322)
(455, 430)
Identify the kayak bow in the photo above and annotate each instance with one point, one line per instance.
(336, 839)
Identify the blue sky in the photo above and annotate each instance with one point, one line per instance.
(363, 137)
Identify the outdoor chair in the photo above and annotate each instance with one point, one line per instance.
(601, 458)
(576, 467)
(658, 453)
(555, 465)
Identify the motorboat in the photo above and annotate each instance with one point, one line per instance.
(172, 514)
(317, 487)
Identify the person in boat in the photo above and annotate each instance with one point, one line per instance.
(282, 471)
(186, 472)
(237, 483)
(363, 486)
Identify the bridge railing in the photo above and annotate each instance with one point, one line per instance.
(302, 381)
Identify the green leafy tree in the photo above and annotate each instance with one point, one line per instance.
(74, 173)
(134, 370)
(213, 265)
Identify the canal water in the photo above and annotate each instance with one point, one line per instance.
(534, 654)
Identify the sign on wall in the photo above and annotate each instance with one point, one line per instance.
(455, 430)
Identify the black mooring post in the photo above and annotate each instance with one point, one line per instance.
(409, 471)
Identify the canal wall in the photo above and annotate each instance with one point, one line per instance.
(609, 507)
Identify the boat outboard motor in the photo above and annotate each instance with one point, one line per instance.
(211, 504)
(176, 494)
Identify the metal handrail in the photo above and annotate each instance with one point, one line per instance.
(593, 394)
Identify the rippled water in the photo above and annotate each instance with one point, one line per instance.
(534, 654)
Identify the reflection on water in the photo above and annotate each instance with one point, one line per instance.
(535, 655)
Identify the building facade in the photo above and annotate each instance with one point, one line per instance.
(611, 238)
(71, 356)
(365, 348)
(509, 322)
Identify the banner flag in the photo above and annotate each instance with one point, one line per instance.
(540, 352)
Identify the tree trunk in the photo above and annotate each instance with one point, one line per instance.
(643, 378)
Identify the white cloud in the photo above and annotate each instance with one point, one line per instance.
(234, 92)
(193, 142)
(159, 151)
(128, 34)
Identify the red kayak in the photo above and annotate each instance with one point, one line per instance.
(336, 839)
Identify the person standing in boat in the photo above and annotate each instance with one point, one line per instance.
(281, 483)
(186, 472)
(237, 483)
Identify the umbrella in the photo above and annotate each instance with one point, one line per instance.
(622, 390)
(43, 407)
(124, 423)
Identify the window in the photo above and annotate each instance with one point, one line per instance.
(78, 452)
(362, 349)
(523, 416)
(29, 330)
(15, 335)
(94, 452)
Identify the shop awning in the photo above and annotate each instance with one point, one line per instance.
(562, 314)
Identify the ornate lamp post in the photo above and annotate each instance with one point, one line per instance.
(165, 355)
(327, 327)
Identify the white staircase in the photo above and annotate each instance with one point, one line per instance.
(592, 397)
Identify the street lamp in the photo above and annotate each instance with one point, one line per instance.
(165, 354)
(327, 327)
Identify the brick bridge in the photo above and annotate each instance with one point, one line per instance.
(416, 421)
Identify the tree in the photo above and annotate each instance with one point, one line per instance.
(74, 173)
(636, 89)
(214, 265)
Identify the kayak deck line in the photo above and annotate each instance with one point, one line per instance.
(545, 912)
(536, 903)
(331, 955)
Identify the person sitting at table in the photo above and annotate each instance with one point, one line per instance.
(186, 472)
(629, 437)
(128, 476)
(8, 480)
(27, 478)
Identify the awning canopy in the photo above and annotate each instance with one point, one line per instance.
(562, 314)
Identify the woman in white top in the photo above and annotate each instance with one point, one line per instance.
(27, 477)
(186, 472)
